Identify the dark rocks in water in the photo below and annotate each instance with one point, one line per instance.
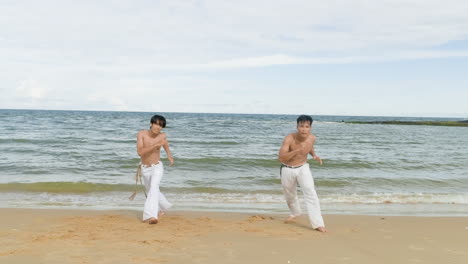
(463, 123)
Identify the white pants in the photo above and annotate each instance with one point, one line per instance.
(155, 201)
(290, 178)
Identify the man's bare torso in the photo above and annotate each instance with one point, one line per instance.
(294, 144)
(152, 157)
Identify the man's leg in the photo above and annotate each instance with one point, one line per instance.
(151, 179)
(311, 198)
(164, 204)
(289, 184)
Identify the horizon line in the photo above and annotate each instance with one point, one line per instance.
(227, 113)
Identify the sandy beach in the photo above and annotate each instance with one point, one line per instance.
(79, 236)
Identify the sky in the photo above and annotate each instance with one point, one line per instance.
(349, 57)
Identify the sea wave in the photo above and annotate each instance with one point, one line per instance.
(205, 142)
(387, 182)
(64, 187)
(87, 187)
(353, 198)
(223, 162)
(397, 198)
(232, 195)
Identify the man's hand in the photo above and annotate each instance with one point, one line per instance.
(171, 161)
(317, 158)
(159, 143)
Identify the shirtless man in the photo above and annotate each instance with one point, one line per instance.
(149, 143)
(295, 170)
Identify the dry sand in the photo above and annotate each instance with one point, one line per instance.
(77, 236)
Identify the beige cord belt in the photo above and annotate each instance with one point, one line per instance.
(137, 178)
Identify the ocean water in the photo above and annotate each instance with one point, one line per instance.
(228, 162)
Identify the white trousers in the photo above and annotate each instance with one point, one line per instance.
(155, 201)
(290, 178)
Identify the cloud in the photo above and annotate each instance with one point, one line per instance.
(103, 102)
(212, 54)
(30, 89)
(281, 59)
(199, 32)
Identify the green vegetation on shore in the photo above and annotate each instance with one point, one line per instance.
(463, 123)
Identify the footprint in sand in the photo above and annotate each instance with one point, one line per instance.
(11, 252)
(385, 231)
(428, 239)
(454, 251)
(413, 247)
(256, 218)
(253, 230)
(204, 218)
(352, 230)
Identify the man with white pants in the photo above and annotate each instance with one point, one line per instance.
(295, 171)
(156, 202)
(149, 143)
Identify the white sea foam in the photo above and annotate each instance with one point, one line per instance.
(401, 204)
(401, 198)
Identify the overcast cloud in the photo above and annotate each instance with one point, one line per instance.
(350, 57)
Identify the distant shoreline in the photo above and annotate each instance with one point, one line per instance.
(463, 123)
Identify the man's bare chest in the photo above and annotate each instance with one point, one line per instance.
(149, 141)
(305, 145)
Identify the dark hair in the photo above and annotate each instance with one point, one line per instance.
(304, 118)
(159, 120)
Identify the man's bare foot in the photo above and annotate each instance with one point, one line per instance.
(290, 219)
(321, 229)
(161, 213)
(153, 221)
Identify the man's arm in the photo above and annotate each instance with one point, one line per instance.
(142, 150)
(284, 154)
(312, 152)
(168, 152)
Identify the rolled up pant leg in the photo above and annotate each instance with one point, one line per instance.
(306, 182)
(289, 184)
